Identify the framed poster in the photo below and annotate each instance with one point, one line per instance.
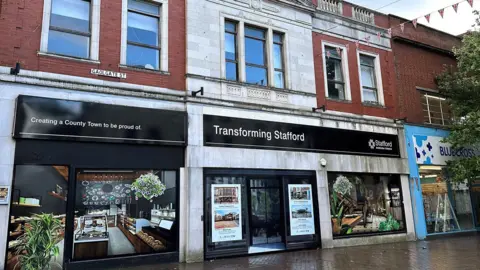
(226, 212)
(4, 194)
(301, 210)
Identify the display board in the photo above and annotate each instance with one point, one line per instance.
(226, 212)
(301, 210)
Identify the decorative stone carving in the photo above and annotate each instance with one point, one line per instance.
(256, 4)
(259, 94)
(234, 90)
(270, 8)
(281, 97)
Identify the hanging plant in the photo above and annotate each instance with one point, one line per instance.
(148, 186)
(342, 185)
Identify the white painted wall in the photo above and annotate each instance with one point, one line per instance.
(205, 53)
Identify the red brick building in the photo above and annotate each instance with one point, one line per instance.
(421, 54)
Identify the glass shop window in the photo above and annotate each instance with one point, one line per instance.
(124, 213)
(37, 214)
(365, 204)
(447, 206)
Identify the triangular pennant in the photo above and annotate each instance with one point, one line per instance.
(455, 7)
(470, 2)
(328, 54)
(348, 47)
(414, 22)
(357, 43)
(379, 35)
(389, 31)
(402, 27)
(428, 18)
(338, 50)
(441, 11)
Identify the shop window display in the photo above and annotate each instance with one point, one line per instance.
(39, 194)
(124, 212)
(365, 204)
(447, 206)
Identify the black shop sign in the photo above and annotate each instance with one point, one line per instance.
(246, 133)
(56, 119)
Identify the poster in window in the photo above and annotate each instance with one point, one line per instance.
(226, 213)
(4, 194)
(301, 210)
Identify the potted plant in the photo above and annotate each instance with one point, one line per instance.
(342, 186)
(391, 224)
(38, 245)
(148, 186)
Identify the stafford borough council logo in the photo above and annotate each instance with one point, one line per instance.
(371, 143)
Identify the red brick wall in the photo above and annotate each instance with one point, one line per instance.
(416, 66)
(21, 25)
(356, 106)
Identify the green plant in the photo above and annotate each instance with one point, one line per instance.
(148, 186)
(38, 245)
(336, 208)
(342, 185)
(390, 224)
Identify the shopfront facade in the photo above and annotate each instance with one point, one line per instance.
(104, 166)
(264, 182)
(439, 206)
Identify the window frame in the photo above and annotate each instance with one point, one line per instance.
(345, 69)
(442, 100)
(378, 77)
(162, 35)
(236, 61)
(94, 28)
(268, 54)
(282, 55)
(265, 53)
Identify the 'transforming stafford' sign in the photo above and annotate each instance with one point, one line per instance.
(246, 133)
(58, 119)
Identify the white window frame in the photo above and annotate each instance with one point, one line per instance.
(378, 75)
(442, 100)
(345, 70)
(94, 24)
(242, 76)
(163, 4)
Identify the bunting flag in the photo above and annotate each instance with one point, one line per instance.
(348, 47)
(379, 35)
(428, 18)
(402, 27)
(357, 43)
(328, 54)
(470, 2)
(414, 22)
(390, 31)
(338, 51)
(455, 7)
(441, 11)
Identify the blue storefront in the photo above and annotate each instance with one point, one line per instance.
(438, 206)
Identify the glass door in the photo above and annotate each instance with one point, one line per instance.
(266, 219)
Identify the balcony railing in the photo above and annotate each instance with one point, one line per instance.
(333, 6)
(363, 15)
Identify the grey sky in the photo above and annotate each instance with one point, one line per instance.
(453, 23)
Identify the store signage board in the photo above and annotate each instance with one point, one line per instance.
(247, 133)
(226, 212)
(301, 210)
(430, 150)
(56, 119)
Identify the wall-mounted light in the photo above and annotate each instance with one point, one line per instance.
(402, 120)
(194, 93)
(15, 70)
(323, 108)
(323, 162)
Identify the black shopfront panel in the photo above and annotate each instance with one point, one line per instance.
(95, 166)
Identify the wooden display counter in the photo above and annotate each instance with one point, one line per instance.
(90, 248)
(139, 245)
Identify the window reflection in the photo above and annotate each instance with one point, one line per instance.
(335, 80)
(369, 84)
(231, 61)
(255, 60)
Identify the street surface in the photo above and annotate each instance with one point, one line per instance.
(446, 253)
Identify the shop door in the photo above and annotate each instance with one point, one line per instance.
(266, 217)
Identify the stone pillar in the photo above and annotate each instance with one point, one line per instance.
(324, 209)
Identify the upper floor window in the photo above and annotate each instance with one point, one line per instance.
(368, 78)
(70, 31)
(143, 38)
(231, 55)
(334, 70)
(436, 110)
(256, 56)
(256, 68)
(278, 74)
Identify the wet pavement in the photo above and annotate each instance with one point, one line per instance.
(447, 253)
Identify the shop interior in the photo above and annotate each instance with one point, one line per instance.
(365, 204)
(116, 213)
(447, 206)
